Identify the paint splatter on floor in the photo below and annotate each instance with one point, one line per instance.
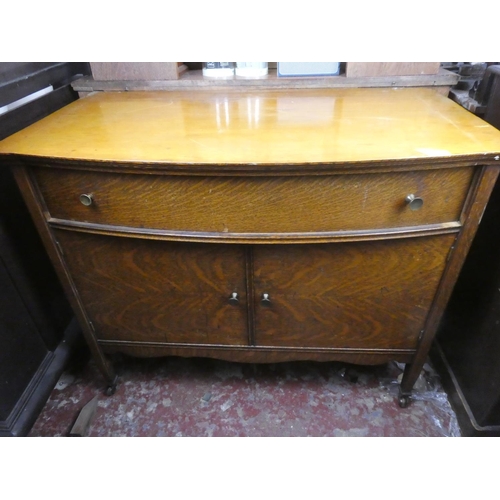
(204, 397)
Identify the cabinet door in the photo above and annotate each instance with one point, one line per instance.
(157, 291)
(347, 295)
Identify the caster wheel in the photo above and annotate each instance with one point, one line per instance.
(110, 390)
(404, 401)
(351, 375)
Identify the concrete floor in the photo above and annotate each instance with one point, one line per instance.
(204, 397)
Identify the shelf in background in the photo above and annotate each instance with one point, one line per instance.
(194, 80)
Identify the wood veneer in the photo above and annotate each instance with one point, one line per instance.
(361, 286)
(143, 71)
(256, 204)
(357, 69)
(158, 291)
(261, 129)
(194, 196)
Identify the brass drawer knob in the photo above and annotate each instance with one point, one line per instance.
(234, 299)
(86, 199)
(414, 202)
(265, 300)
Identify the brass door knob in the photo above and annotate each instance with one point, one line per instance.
(414, 202)
(265, 300)
(234, 299)
(86, 199)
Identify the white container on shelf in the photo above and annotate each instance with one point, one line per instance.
(308, 68)
(251, 69)
(218, 69)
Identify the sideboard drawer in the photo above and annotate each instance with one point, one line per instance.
(231, 204)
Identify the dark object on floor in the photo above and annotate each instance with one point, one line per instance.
(82, 424)
(35, 331)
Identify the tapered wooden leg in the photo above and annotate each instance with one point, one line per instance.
(410, 376)
(484, 184)
(34, 204)
(111, 389)
(404, 400)
(103, 365)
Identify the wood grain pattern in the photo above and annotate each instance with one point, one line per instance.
(31, 198)
(300, 127)
(256, 204)
(480, 194)
(135, 70)
(362, 69)
(192, 164)
(29, 113)
(467, 342)
(350, 295)
(194, 80)
(158, 291)
(259, 354)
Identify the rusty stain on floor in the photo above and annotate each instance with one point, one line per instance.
(203, 397)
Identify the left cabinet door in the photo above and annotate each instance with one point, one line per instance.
(158, 291)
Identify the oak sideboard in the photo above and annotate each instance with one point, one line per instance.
(258, 226)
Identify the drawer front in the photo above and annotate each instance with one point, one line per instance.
(256, 204)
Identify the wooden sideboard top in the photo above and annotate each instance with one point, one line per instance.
(327, 126)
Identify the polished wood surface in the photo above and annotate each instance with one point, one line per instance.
(256, 204)
(159, 291)
(260, 354)
(261, 127)
(361, 286)
(366, 279)
(148, 291)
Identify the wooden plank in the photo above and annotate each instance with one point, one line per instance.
(443, 90)
(360, 69)
(82, 424)
(194, 80)
(134, 70)
(18, 80)
(256, 354)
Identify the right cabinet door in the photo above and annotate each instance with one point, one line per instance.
(347, 295)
